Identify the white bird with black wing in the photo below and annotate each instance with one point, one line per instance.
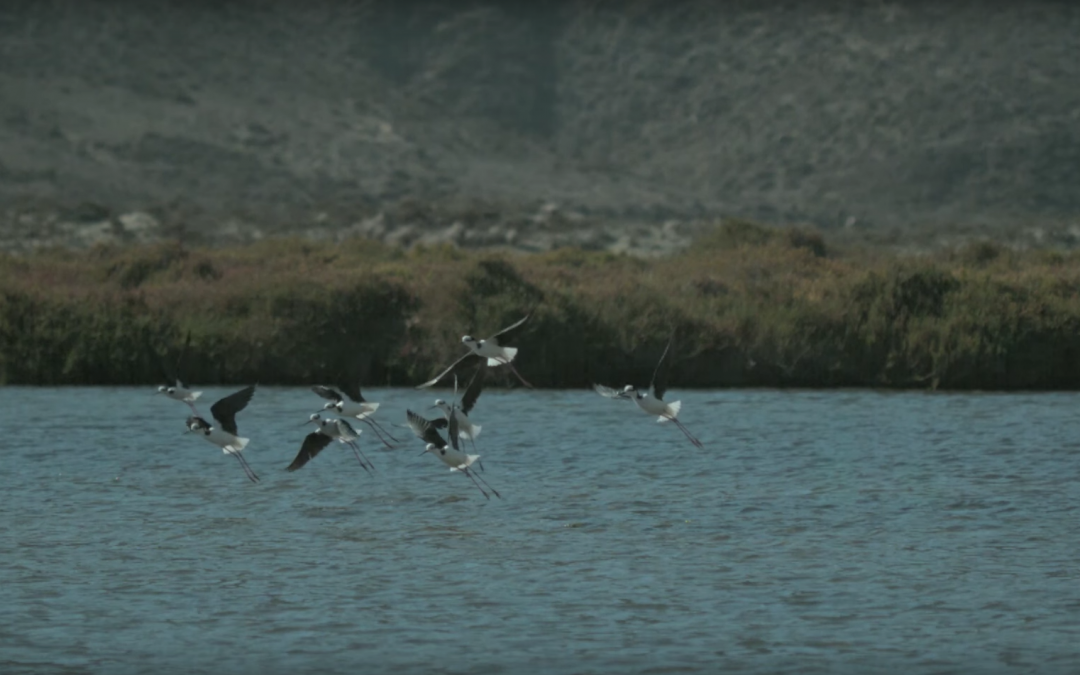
(651, 400)
(449, 453)
(333, 428)
(349, 402)
(224, 433)
(460, 411)
(176, 389)
(493, 350)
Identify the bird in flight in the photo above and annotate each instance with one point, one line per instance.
(344, 432)
(449, 453)
(347, 401)
(460, 411)
(224, 433)
(651, 400)
(493, 350)
(175, 388)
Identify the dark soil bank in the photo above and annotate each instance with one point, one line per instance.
(533, 124)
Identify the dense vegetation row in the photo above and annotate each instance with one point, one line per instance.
(752, 306)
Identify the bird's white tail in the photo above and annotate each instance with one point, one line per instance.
(371, 408)
(508, 355)
(469, 461)
(239, 445)
(673, 412)
(471, 434)
(194, 395)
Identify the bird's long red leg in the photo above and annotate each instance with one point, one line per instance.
(523, 380)
(469, 474)
(247, 469)
(686, 431)
(476, 475)
(359, 455)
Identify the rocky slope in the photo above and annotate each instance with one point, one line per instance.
(624, 125)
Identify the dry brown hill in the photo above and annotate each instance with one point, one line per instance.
(873, 114)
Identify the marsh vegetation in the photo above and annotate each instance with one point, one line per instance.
(751, 306)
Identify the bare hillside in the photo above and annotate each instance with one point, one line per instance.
(504, 118)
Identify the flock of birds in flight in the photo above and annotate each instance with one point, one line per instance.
(349, 404)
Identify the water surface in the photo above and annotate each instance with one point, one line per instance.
(818, 532)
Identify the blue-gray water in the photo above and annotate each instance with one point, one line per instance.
(817, 532)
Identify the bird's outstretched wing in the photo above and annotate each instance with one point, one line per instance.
(500, 339)
(180, 361)
(464, 360)
(224, 411)
(352, 390)
(346, 430)
(313, 444)
(659, 378)
(476, 385)
(452, 431)
(608, 392)
(327, 393)
(424, 429)
(503, 337)
(170, 372)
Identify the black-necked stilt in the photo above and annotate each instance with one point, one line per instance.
(351, 403)
(224, 434)
(181, 392)
(460, 411)
(493, 350)
(651, 401)
(174, 387)
(343, 432)
(449, 453)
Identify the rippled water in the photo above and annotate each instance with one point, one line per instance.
(818, 532)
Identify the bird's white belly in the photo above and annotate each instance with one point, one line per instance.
(495, 353)
(226, 441)
(359, 410)
(457, 460)
(653, 406)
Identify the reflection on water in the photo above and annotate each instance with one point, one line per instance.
(817, 532)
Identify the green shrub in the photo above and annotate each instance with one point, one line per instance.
(749, 305)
